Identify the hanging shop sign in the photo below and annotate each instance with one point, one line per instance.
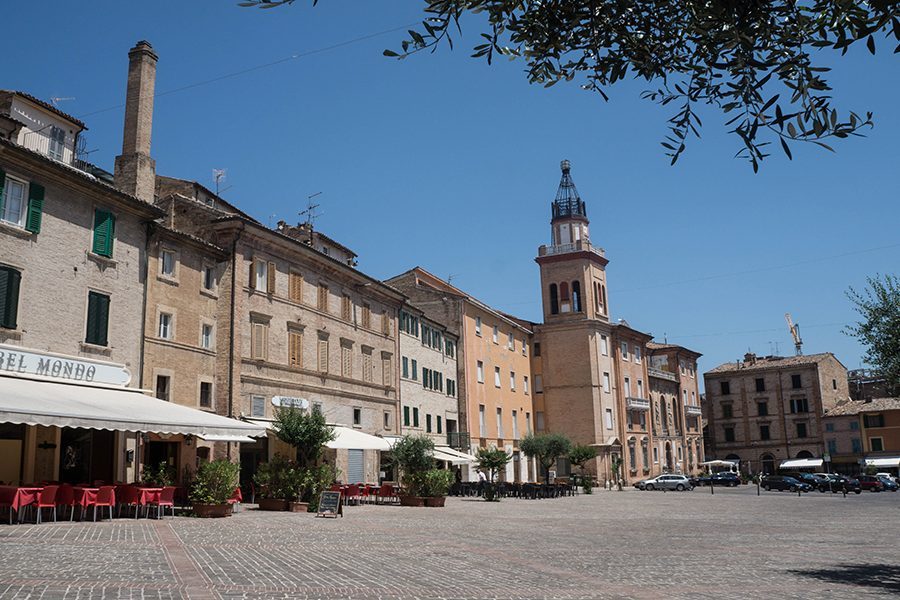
(285, 401)
(22, 361)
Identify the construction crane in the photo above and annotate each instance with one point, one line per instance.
(795, 333)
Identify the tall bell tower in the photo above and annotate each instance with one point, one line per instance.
(573, 270)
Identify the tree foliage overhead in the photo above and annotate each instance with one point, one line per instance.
(750, 59)
(304, 430)
(545, 448)
(879, 328)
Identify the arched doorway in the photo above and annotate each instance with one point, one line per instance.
(670, 462)
(768, 463)
(804, 454)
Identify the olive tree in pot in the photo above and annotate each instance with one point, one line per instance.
(579, 456)
(492, 461)
(213, 485)
(546, 448)
(413, 456)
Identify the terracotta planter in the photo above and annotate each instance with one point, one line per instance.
(436, 502)
(412, 500)
(209, 511)
(300, 507)
(273, 504)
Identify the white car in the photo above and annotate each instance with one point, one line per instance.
(678, 483)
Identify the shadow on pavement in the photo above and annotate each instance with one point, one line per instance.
(877, 576)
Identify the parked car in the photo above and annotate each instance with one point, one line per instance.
(726, 478)
(871, 483)
(640, 483)
(782, 482)
(812, 479)
(668, 482)
(889, 484)
(834, 483)
(893, 478)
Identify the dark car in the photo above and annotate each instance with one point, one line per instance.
(838, 483)
(726, 478)
(889, 484)
(781, 483)
(871, 483)
(810, 478)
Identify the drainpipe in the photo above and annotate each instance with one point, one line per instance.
(231, 330)
(145, 268)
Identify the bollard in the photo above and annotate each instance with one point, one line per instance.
(757, 486)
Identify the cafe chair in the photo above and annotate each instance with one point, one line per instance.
(106, 498)
(46, 499)
(386, 493)
(65, 497)
(166, 500)
(236, 498)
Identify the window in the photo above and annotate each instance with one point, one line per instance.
(524, 347)
(97, 319)
(450, 348)
(511, 344)
(295, 348)
(427, 423)
(440, 427)
(857, 445)
(387, 420)
(554, 299)
(366, 316)
(760, 384)
(259, 340)
(641, 388)
(167, 263)
(877, 444)
(163, 387)
(9, 297)
(604, 345)
(606, 386)
(317, 408)
(451, 387)
(322, 300)
(829, 427)
(725, 388)
(346, 361)
(624, 350)
(608, 417)
(537, 348)
(801, 430)
(404, 367)
(357, 416)
(260, 277)
(257, 406)
(528, 423)
(762, 409)
(406, 416)
(497, 376)
(368, 366)
(538, 384)
(12, 200)
(346, 307)
(644, 454)
(525, 384)
(515, 424)
(415, 370)
(764, 432)
(496, 336)
(854, 425)
(295, 287)
(727, 411)
(209, 278)
(682, 365)
(834, 384)
(57, 143)
(637, 354)
(796, 382)
(322, 361)
(655, 454)
(539, 420)
(415, 416)
(104, 233)
(165, 326)
(512, 381)
(499, 423)
(205, 394)
(873, 421)
(799, 405)
(480, 371)
(729, 434)
(627, 387)
(481, 424)
(478, 326)
(632, 459)
(387, 370)
(832, 446)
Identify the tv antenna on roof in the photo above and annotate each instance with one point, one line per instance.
(218, 176)
(310, 212)
(55, 100)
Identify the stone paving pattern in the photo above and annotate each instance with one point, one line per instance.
(609, 545)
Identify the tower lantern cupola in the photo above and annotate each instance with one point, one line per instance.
(569, 222)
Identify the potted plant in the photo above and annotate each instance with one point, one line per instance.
(161, 476)
(492, 460)
(546, 448)
(279, 482)
(413, 456)
(436, 484)
(213, 485)
(579, 456)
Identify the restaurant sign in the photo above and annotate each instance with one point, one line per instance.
(22, 361)
(285, 401)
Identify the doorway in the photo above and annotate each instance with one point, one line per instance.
(86, 456)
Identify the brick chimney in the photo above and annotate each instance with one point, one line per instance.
(135, 170)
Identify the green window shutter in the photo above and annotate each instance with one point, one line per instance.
(111, 219)
(97, 319)
(35, 208)
(406, 416)
(104, 233)
(2, 188)
(415, 417)
(9, 297)
(439, 424)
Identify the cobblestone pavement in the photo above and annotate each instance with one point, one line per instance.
(610, 545)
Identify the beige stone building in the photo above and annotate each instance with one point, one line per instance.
(764, 411)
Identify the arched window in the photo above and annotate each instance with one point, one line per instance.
(576, 296)
(768, 463)
(804, 454)
(554, 300)
(565, 303)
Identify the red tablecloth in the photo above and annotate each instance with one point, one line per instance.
(17, 497)
(146, 495)
(85, 496)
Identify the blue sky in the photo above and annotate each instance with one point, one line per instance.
(444, 162)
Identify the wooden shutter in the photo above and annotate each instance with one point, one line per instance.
(97, 319)
(252, 282)
(270, 278)
(104, 233)
(258, 340)
(323, 297)
(35, 208)
(296, 287)
(9, 297)
(346, 362)
(323, 356)
(386, 374)
(367, 367)
(345, 307)
(295, 348)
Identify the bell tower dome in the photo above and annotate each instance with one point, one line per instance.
(569, 222)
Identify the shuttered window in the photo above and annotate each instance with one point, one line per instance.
(346, 361)
(259, 340)
(367, 366)
(366, 316)
(323, 297)
(346, 312)
(387, 371)
(323, 356)
(9, 297)
(104, 233)
(35, 208)
(295, 290)
(295, 348)
(270, 279)
(386, 323)
(257, 406)
(97, 319)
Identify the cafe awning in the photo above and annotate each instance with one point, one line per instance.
(801, 463)
(447, 454)
(883, 461)
(54, 404)
(227, 438)
(347, 438)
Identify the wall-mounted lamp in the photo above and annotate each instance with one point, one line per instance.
(188, 440)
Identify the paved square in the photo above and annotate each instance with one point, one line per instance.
(610, 545)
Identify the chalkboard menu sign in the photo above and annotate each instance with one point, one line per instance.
(330, 504)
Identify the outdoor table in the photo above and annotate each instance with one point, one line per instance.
(82, 497)
(18, 498)
(146, 495)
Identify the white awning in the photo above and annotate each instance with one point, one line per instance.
(719, 463)
(52, 404)
(227, 438)
(347, 438)
(801, 463)
(883, 461)
(458, 458)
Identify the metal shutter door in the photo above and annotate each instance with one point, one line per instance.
(355, 466)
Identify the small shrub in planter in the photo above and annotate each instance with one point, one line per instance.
(492, 460)
(213, 485)
(435, 485)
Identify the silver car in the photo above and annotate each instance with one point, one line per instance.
(668, 482)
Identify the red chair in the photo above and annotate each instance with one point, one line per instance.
(336, 487)
(166, 499)
(352, 493)
(386, 493)
(364, 493)
(46, 499)
(106, 497)
(236, 498)
(65, 496)
(128, 496)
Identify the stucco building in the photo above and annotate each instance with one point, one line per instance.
(864, 433)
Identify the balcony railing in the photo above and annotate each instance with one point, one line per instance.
(637, 403)
(458, 440)
(579, 246)
(660, 374)
(693, 411)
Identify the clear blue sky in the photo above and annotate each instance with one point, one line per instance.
(444, 162)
